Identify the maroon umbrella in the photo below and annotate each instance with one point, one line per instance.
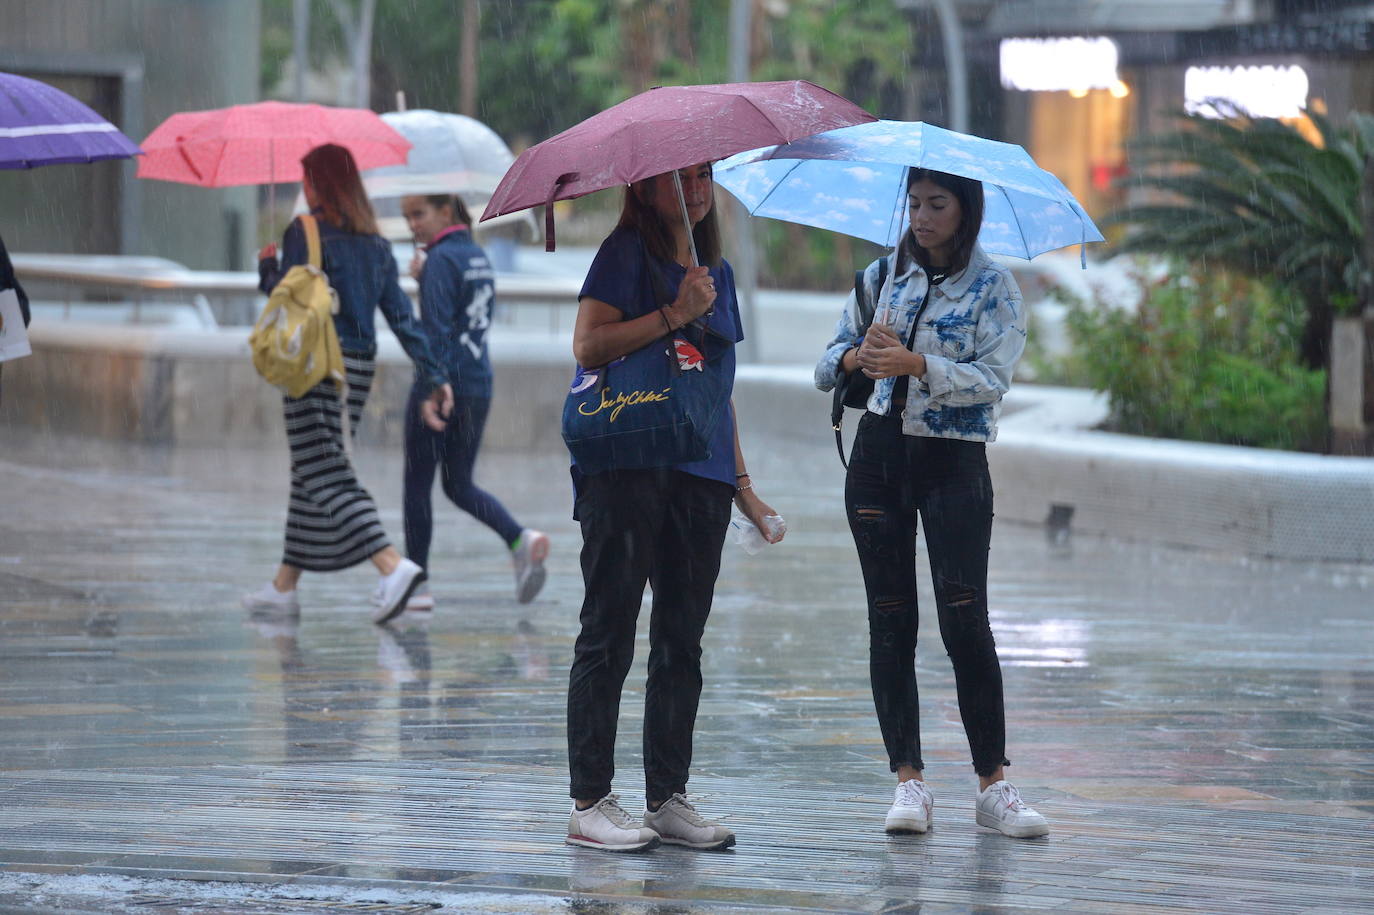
(663, 130)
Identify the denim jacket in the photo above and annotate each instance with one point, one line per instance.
(362, 270)
(972, 334)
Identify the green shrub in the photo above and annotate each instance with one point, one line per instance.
(1207, 356)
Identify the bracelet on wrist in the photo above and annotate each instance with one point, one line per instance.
(667, 320)
(743, 473)
(739, 490)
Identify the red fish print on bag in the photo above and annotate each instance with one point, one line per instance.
(689, 358)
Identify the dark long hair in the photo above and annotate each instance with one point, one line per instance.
(457, 208)
(969, 193)
(638, 213)
(333, 174)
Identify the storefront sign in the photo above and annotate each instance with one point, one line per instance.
(1262, 92)
(1290, 38)
(1058, 64)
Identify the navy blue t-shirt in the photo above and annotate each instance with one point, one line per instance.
(617, 277)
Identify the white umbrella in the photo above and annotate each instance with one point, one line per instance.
(449, 154)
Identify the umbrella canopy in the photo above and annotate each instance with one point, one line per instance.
(663, 130)
(42, 125)
(449, 154)
(853, 180)
(263, 143)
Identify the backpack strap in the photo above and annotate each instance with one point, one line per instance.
(866, 307)
(315, 257)
(312, 240)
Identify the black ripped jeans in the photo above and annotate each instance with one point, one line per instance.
(893, 477)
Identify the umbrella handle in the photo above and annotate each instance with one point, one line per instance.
(548, 207)
(686, 222)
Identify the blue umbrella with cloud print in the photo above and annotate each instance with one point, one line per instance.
(853, 180)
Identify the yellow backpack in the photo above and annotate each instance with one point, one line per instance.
(294, 342)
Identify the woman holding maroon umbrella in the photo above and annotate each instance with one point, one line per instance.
(664, 526)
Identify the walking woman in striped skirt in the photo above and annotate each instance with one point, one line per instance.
(331, 520)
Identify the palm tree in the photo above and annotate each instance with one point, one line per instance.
(1254, 195)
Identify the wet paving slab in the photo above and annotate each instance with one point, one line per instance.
(1199, 728)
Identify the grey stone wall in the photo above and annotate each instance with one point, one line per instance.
(136, 62)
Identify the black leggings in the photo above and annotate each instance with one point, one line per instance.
(893, 477)
(453, 452)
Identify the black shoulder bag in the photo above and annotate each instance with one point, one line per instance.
(853, 389)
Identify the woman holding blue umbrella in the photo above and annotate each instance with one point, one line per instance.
(947, 333)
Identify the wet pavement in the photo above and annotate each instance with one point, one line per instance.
(1199, 728)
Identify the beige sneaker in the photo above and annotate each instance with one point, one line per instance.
(607, 826)
(677, 823)
(528, 556)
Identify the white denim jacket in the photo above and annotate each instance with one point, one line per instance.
(972, 335)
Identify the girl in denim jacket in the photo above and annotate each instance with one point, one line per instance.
(919, 450)
(332, 521)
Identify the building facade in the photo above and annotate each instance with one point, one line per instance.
(135, 62)
(1080, 77)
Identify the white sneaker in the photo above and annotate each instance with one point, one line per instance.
(607, 826)
(911, 809)
(268, 598)
(677, 823)
(421, 600)
(999, 806)
(528, 556)
(395, 589)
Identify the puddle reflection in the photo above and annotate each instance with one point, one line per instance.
(417, 696)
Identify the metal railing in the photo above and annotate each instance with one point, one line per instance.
(145, 286)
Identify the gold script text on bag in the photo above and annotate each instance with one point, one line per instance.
(295, 345)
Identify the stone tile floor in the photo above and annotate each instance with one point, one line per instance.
(1199, 728)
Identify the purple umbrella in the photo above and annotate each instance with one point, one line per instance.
(40, 125)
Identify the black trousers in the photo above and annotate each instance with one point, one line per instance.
(892, 479)
(665, 528)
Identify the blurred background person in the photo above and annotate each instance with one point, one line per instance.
(457, 294)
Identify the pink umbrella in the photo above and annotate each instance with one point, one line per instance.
(663, 130)
(263, 143)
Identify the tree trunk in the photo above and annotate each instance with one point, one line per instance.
(1351, 385)
(1350, 382)
(1315, 347)
(467, 59)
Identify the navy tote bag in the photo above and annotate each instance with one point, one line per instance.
(655, 407)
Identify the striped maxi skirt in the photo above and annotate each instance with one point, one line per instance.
(331, 520)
